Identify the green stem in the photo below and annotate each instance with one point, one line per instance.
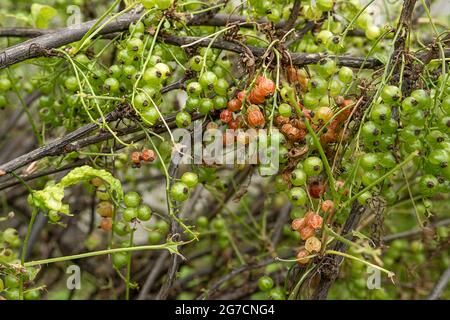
(94, 30)
(127, 291)
(25, 246)
(103, 252)
(345, 255)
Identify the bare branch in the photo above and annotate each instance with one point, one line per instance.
(440, 286)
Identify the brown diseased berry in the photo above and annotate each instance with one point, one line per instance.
(301, 257)
(313, 244)
(148, 155)
(106, 224)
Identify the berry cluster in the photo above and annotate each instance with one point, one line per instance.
(146, 155)
(307, 227)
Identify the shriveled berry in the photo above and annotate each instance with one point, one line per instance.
(298, 224)
(313, 244)
(314, 221)
(226, 116)
(306, 232)
(105, 209)
(327, 206)
(148, 155)
(106, 224)
(302, 257)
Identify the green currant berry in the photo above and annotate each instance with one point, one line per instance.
(12, 294)
(129, 214)
(47, 115)
(163, 69)
(115, 71)
(218, 224)
(370, 177)
(150, 116)
(192, 103)
(132, 199)
(194, 88)
(5, 84)
(208, 80)
(202, 222)
(369, 161)
(409, 105)
(71, 83)
(345, 74)
(196, 63)
(121, 228)
(111, 85)
(129, 71)
(364, 20)
(370, 131)
(135, 44)
(154, 237)
(220, 102)
(11, 282)
(190, 179)
(32, 295)
(439, 157)
(435, 138)
(391, 94)
(152, 76)
(327, 67)
(444, 124)
(372, 32)
(317, 86)
(417, 118)
(141, 101)
(119, 259)
(10, 235)
(136, 27)
(428, 185)
(285, 110)
(180, 191)
(221, 87)
(277, 294)
(144, 212)
(298, 196)
(298, 177)
(313, 166)
(183, 119)
(265, 283)
(422, 97)
(323, 37)
(335, 89)
(148, 4)
(205, 106)
(381, 113)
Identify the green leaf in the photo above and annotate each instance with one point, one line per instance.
(42, 14)
(86, 173)
(50, 198)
